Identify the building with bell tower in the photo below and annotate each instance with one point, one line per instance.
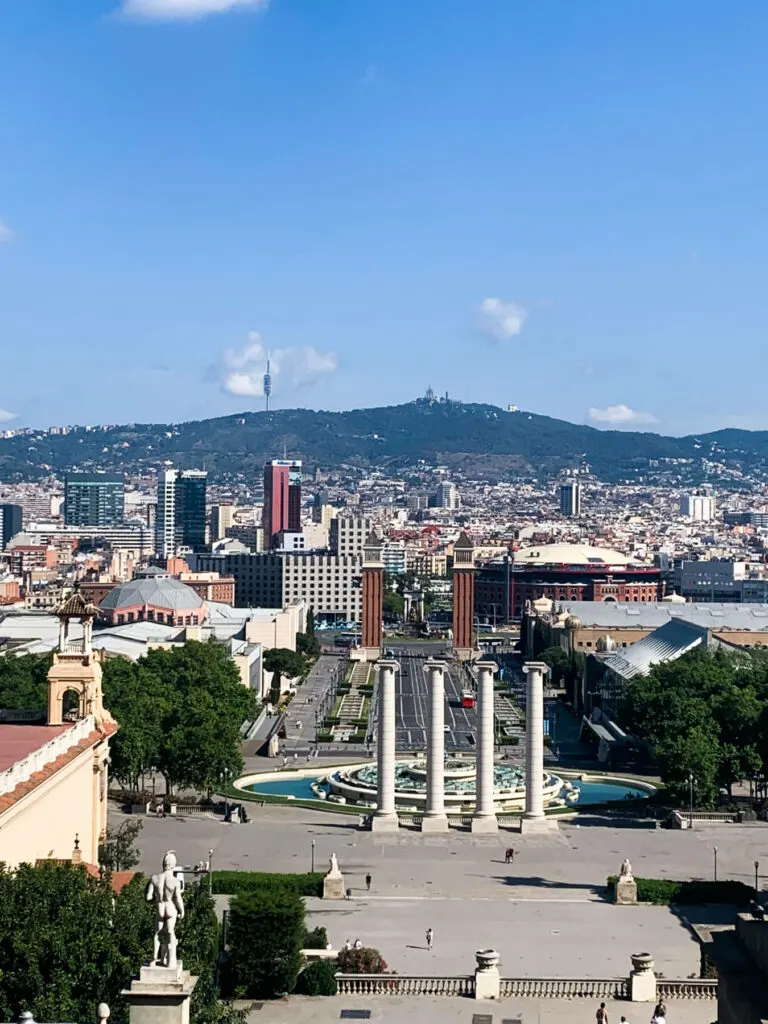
(463, 596)
(373, 597)
(54, 765)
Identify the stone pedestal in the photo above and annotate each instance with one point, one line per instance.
(642, 979)
(435, 819)
(160, 995)
(538, 826)
(484, 819)
(625, 892)
(487, 977)
(333, 886)
(385, 818)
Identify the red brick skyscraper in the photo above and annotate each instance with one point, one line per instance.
(282, 499)
(463, 595)
(373, 580)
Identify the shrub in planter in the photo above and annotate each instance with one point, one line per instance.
(266, 929)
(318, 979)
(316, 939)
(666, 891)
(229, 883)
(361, 961)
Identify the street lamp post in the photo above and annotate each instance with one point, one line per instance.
(714, 850)
(757, 876)
(210, 871)
(691, 781)
(313, 856)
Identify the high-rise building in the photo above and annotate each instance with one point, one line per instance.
(11, 523)
(446, 495)
(282, 499)
(180, 521)
(570, 499)
(348, 534)
(698, 507)
(222, 518)
(93, 499)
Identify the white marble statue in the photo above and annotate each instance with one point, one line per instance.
(164, 890)
(626, 870)
(335, 870)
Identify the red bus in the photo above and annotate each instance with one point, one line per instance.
(467, 698)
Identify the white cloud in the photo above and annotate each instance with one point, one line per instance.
(621, 415)
(186, 10)
(241, 371)
(6, 234)
(6, 417)
(501, 320)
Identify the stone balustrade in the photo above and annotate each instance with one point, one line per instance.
(23, 770)
(403, 985)
(693, 988)
(564, 988)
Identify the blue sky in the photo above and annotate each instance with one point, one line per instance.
(561, 205)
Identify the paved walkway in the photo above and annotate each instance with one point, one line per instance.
(424, 1010)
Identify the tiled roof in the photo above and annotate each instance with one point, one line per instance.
(72, 753)
(162, 592)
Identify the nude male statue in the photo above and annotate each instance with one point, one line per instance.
(165, 890)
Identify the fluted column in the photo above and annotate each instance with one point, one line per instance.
(534, 746)
(484, 818)
(385, 818)
(434, 819)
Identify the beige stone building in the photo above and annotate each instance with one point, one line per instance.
(53, 776)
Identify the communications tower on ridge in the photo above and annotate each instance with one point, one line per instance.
(267, 383)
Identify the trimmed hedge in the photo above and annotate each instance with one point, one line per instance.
(316, 939)
(231, 883)
(318, 979)
(664, 891)
(266, 928)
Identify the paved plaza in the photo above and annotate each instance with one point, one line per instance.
(424, 1010)
(545, 913)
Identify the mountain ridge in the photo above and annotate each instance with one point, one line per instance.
(517, 443)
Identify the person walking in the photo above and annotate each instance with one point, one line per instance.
(430, 938)
(602, 1014)
(507, 854)
(368, 881)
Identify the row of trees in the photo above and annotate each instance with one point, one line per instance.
(705, 714)
(179, 710)
(67, 943)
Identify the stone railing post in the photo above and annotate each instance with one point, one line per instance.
(642, 979)
(487, 978)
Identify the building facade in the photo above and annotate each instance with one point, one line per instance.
(282, 499)
(93, 499)
(11, 523)
(180, 518)
(570, 499)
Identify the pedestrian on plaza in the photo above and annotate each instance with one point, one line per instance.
(358, 944)
(347, 944)
(602, 1014)
(507, 854)
(430, 938)
(368, 881)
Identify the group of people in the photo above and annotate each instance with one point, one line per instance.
(236, 813)
(509, 855)
(659, 1015)
(357, 944)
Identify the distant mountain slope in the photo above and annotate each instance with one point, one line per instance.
(438, 432)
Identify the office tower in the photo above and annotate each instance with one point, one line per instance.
(282, 499)
(180, 520)
(11, 523)
(699, 507)
(93, 499)
(349, 534)
(570, 499)
(446, 495)
(222, 518)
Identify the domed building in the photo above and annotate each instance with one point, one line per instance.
(155, 598)
(562, 572)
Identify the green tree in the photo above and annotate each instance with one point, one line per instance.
(308, 645)
(695, 751)
(310, 622)
(559, 663)
(281, 661)
(266, 928)
(24, 682)
(118, 850)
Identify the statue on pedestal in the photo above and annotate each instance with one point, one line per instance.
(335, 870)
(164, 890)
(626, 871)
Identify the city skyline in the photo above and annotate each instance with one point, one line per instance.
(565, 216)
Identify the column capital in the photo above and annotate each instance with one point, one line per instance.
(486, 666)
(432, 664)
(388, 663)
(535, 666)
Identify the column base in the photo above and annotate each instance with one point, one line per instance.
(365, 654)
(434, 824)
(486, 824)
(538, 826)
(385, 823)
(465, 653)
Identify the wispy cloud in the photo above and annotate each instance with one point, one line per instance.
(6, 417)
(501, 320)
(370, 74)
(621, 415)
(241, 371)
(6, 234)
(186, 10)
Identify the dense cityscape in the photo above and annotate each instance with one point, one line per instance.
(383, 512)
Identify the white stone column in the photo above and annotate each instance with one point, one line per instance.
(534, 819)
(484, 818)
(434, 819)
(385, 818)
